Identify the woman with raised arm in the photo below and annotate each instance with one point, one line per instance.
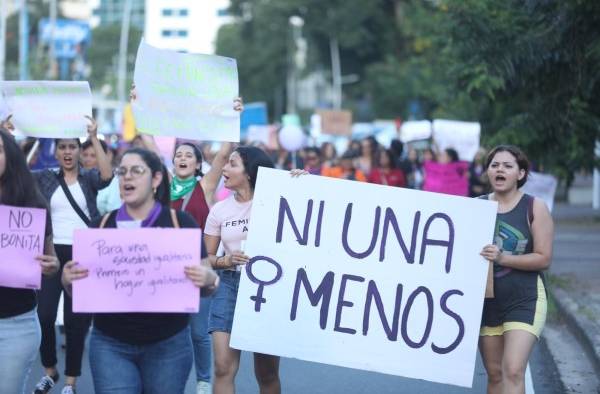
(143, 352)
(71, 195)
(20, 333)
(513, 320)
(228, 223)
(194, 192)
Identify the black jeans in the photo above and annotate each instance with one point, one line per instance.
(76, 324)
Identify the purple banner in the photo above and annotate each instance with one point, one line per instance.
(449, 178)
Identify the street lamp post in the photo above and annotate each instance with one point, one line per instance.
(296, 24)
(122, 70)
(336, 71)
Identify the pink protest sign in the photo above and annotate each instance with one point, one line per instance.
(136, 270)
(449, 178)
(21, 240)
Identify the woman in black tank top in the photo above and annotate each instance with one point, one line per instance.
(522, 249)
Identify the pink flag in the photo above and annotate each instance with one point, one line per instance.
(449, 178)
(136, 270)
(21, 240)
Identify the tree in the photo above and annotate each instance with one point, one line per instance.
(104, 52)
(526, 69)
(531, 67)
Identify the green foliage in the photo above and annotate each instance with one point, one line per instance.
(528, 70)
(103, 54)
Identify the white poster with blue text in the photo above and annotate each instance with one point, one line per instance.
(364, 276)
(185, 95)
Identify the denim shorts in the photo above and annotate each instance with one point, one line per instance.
(223, 303)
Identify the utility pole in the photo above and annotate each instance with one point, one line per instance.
(336, 71)
(2, 38)
(596, 188)
(23, 42)
(51, 53)
(122, 70)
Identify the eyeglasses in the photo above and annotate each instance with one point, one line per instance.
(135, 171)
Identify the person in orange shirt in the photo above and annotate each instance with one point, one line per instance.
(346, 169)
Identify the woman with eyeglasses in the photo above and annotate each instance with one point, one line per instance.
(143, 352)
(71, 195)
(19, 326)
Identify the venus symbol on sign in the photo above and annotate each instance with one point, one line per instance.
(258, 298)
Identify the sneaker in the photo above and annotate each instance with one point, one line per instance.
(45, 384)
(203, 388)
(68, 389)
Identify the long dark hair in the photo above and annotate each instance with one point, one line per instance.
(152, 160)
(197, 153)
(518, 154)
(18, 186)
(252, 158)
(390, 155)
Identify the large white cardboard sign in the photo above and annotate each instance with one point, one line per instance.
(364, 276)
(462, 136)
(185, 95)
(48, 109)
(415, 130)
(542, 186)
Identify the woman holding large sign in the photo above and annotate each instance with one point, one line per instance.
(19, 326)
(228, 222)
(71, 195)
(142, 352)
(522, 249)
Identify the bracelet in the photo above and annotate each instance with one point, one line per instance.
(221, 264)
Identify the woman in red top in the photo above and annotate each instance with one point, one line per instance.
(386, 172)
(194, 193)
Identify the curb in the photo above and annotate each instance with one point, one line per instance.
(586, 332)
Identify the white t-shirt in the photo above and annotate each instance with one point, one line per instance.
(64, 218)
(229, 220)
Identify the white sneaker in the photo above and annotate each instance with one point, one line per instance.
(68, 389)
(203, 388)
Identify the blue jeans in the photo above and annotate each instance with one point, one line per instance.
(155, 368)
(223, 303)
(20, 338)
(201, 340)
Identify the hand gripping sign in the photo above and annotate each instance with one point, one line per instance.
(364, 276)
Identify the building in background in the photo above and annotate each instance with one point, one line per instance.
(111, 12)
(183, 25)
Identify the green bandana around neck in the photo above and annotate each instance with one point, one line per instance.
(181, 187)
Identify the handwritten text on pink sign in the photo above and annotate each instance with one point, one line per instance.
(136, 270)
(21, 240)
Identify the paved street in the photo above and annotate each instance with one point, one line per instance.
(575, 255)
(305, 377)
